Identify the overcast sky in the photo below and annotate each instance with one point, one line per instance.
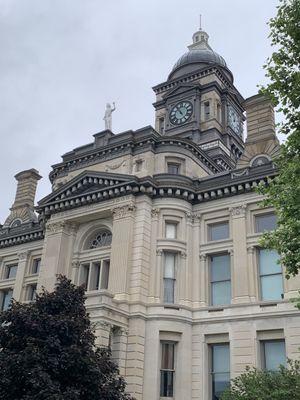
(62, 60)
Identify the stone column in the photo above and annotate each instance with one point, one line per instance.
(252, 274)
(181, 278)
(22, 265)
(158, 275)
(57, 252)
(119, 347)
(203, 284)
(240, 282)
(153, 257)
(75, 272)
(121, 250)
(194, 263)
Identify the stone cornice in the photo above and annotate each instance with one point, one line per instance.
(22, 238)
(160, 185)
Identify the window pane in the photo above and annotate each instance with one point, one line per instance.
(220, 369)
(220, 268)
(268, 262)
(271, 287)
(85, 270)
(6, 299)
(104, 274)
(31, 292)
(167, 356)
(220, 358)
(169, 271)
(219, 231)
(274, 352)
(266, 222)
(221, 293)
(11, 271)
(171, 229)
(36, 266)
(220, 383)
(173, 168)
(166, 383)
(169, 285)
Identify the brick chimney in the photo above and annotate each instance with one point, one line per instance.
(22, 209)
(261, 137)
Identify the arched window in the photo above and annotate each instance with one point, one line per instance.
(100, 239)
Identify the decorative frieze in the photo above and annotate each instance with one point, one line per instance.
(61, 226)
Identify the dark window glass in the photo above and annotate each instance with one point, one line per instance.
(11, 271)
(220, 372)
(220, 276)
(173, 168)
(265, 222)
(169, 278)
(167, 370)
(206, 110)
(6, 299)
(273, 352)
(271, 283)
(31, 292)
(36, 265)
(219, 231)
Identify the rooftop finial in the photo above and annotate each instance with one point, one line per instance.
(200, 26)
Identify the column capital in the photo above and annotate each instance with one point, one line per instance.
(238, 211)
(183, 254)
(61, 226)
(159, 252)
(203, 256)
(124, 211)
(192, 217)
(155, 212)
(23, 255)
(75, 264)
(250, 249)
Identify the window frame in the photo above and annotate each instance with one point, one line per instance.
(260, 276)
(172, 370)
(211, 282)
(262, 344)
(175, 224)
(3, 292)
(261, 215)
(211, 364)
(174, 280)
(35, 260)
(210, 225)
(7, 268)
(91, 266)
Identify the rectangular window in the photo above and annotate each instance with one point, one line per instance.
(31, 292)
(273, 354)
(6, 299)
(11, 271)
(265, 222)
(219, 231)
(167, 370)
(220, 279)
(94, 276)
(206, 110)
(169, 277)
(36, 263)
(161, 125)
(173, 168)
(220, 369)
(271, 283)
(171, 230)
(138, 165)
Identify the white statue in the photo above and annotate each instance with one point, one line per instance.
(107, 116)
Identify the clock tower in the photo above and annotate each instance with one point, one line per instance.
(200, 102)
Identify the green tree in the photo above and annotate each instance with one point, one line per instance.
(257, 384)
(283, 193)
(48, 351)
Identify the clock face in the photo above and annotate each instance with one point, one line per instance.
(181, 112)
(234, 120)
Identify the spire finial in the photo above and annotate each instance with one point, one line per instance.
(200, 26)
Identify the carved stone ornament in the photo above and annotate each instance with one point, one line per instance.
(23, 255)
(238, 211)
(59, 226)
(203, 256)
(75, 264)
(115, 166)
(155, 212)
(192, 217)
(123, 211)
(251, 249)
(159, 252)
(183, 254)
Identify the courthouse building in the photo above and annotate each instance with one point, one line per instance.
(162, 226)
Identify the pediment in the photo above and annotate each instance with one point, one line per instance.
(84, 183)
(180, 90)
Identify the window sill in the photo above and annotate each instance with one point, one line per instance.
(174, 307)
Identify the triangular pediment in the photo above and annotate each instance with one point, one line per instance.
(180, 90)
(86, 182)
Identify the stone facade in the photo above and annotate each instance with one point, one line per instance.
(125, 205)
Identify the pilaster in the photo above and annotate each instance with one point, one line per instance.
(240, 291)
(154, 259)
(22, 265)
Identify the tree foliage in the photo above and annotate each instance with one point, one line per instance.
(257, 384)
(283, 193)
(48, 351)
